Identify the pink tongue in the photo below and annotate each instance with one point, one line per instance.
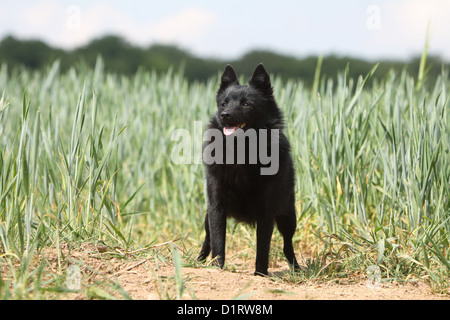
(229, 131)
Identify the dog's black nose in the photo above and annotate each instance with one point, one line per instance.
(224, 115)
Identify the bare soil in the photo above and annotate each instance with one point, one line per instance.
(154, 279)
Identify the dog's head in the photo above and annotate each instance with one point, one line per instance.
(246, 106)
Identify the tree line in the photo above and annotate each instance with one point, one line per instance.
(121, 57)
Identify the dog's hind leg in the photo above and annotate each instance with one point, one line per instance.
(206, 248)
(287, 224)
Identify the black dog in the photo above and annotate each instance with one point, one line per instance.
(242, 189)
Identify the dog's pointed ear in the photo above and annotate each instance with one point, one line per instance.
(229, 78)
(261, 80)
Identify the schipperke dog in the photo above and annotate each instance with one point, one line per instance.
(253, 180)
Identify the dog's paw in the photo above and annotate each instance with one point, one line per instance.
(261, 273)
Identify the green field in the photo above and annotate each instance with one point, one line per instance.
(86, 157)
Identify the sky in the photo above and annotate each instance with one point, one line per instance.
(371, 29)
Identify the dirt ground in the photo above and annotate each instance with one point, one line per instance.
(222, 285)
(154, 279)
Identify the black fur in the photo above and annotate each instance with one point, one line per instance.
(239, 190)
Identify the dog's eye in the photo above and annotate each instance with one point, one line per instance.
(245, 104)
(224, 104)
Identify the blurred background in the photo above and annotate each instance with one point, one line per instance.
(200, 37)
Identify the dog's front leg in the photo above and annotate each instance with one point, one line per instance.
(217, 228)
(264, 232)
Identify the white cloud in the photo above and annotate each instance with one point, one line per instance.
(68, 27)
(95, 21)
(38, 19)
(183, 27)
(41, 14)
(407, 23)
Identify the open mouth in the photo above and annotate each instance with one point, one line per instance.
(228, 131)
